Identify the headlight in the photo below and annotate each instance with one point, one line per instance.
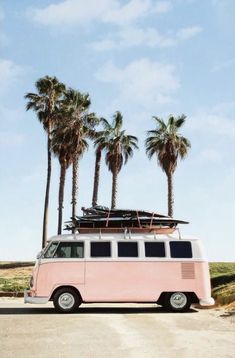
(31, 282)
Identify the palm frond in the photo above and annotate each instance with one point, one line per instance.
(166, 143)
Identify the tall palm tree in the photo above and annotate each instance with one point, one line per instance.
(100, 143)
(62, 147)
(80, 126)
(168, 145)
(118, 151)
(44, 103)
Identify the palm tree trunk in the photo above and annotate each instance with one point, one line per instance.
(114, 189)
(46, 202)
(75, 186)
(170, 194)
(115, 174)
(61, 196)
(96, 178)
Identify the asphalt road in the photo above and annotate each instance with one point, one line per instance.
(114, 331)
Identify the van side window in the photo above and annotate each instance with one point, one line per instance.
(127, 249)
(100, 249)
(154, 249)
(181, 249)
(70, 250)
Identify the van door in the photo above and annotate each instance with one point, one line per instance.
(65, 267)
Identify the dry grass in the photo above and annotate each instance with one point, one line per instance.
(15, 279)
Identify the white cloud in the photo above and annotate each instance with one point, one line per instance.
(70, 12)
(133, 10)
(187, 33)
(133, 36)
(142, 81)
(9, 73)
(217, 121)
(162, 7)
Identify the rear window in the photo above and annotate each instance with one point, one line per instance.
(70, 250)
(154, 249)
(127, 249)
(100, 249)
(181, 249)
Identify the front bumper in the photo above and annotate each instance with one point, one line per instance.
(207, 301)
(28, 298)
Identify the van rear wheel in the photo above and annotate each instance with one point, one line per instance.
(177, 302)
(66, 300)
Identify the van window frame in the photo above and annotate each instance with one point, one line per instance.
(65, 258)
(101, 257)
(129, 257)
(181, 242)
(154, 257)
(67, 243)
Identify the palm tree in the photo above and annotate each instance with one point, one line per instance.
(81, 125)
(118, 150)
(101, 142)
(168, 145)
(62, 147)
(44, 104)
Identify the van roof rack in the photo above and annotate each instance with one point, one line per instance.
(117, 220)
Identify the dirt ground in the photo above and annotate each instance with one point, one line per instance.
(114, 331)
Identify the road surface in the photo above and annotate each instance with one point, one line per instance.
(100, 331)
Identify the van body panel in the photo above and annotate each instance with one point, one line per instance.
(58, 273)
(133, 281)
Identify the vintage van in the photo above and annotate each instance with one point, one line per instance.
(144, 268)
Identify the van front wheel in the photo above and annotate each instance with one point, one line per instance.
(66, 300)
(177, 301)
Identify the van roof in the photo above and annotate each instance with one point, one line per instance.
(123, 236)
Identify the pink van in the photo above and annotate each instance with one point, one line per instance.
(134, 267)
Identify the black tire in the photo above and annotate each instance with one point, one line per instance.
(66, 300)
(177, 302)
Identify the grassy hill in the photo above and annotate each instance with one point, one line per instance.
(14, 277)
(223, 282)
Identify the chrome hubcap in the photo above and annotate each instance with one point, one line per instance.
(178, 300)
(66, 300)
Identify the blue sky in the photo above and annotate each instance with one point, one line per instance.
(144, 58)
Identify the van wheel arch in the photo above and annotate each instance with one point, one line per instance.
(76, 291)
